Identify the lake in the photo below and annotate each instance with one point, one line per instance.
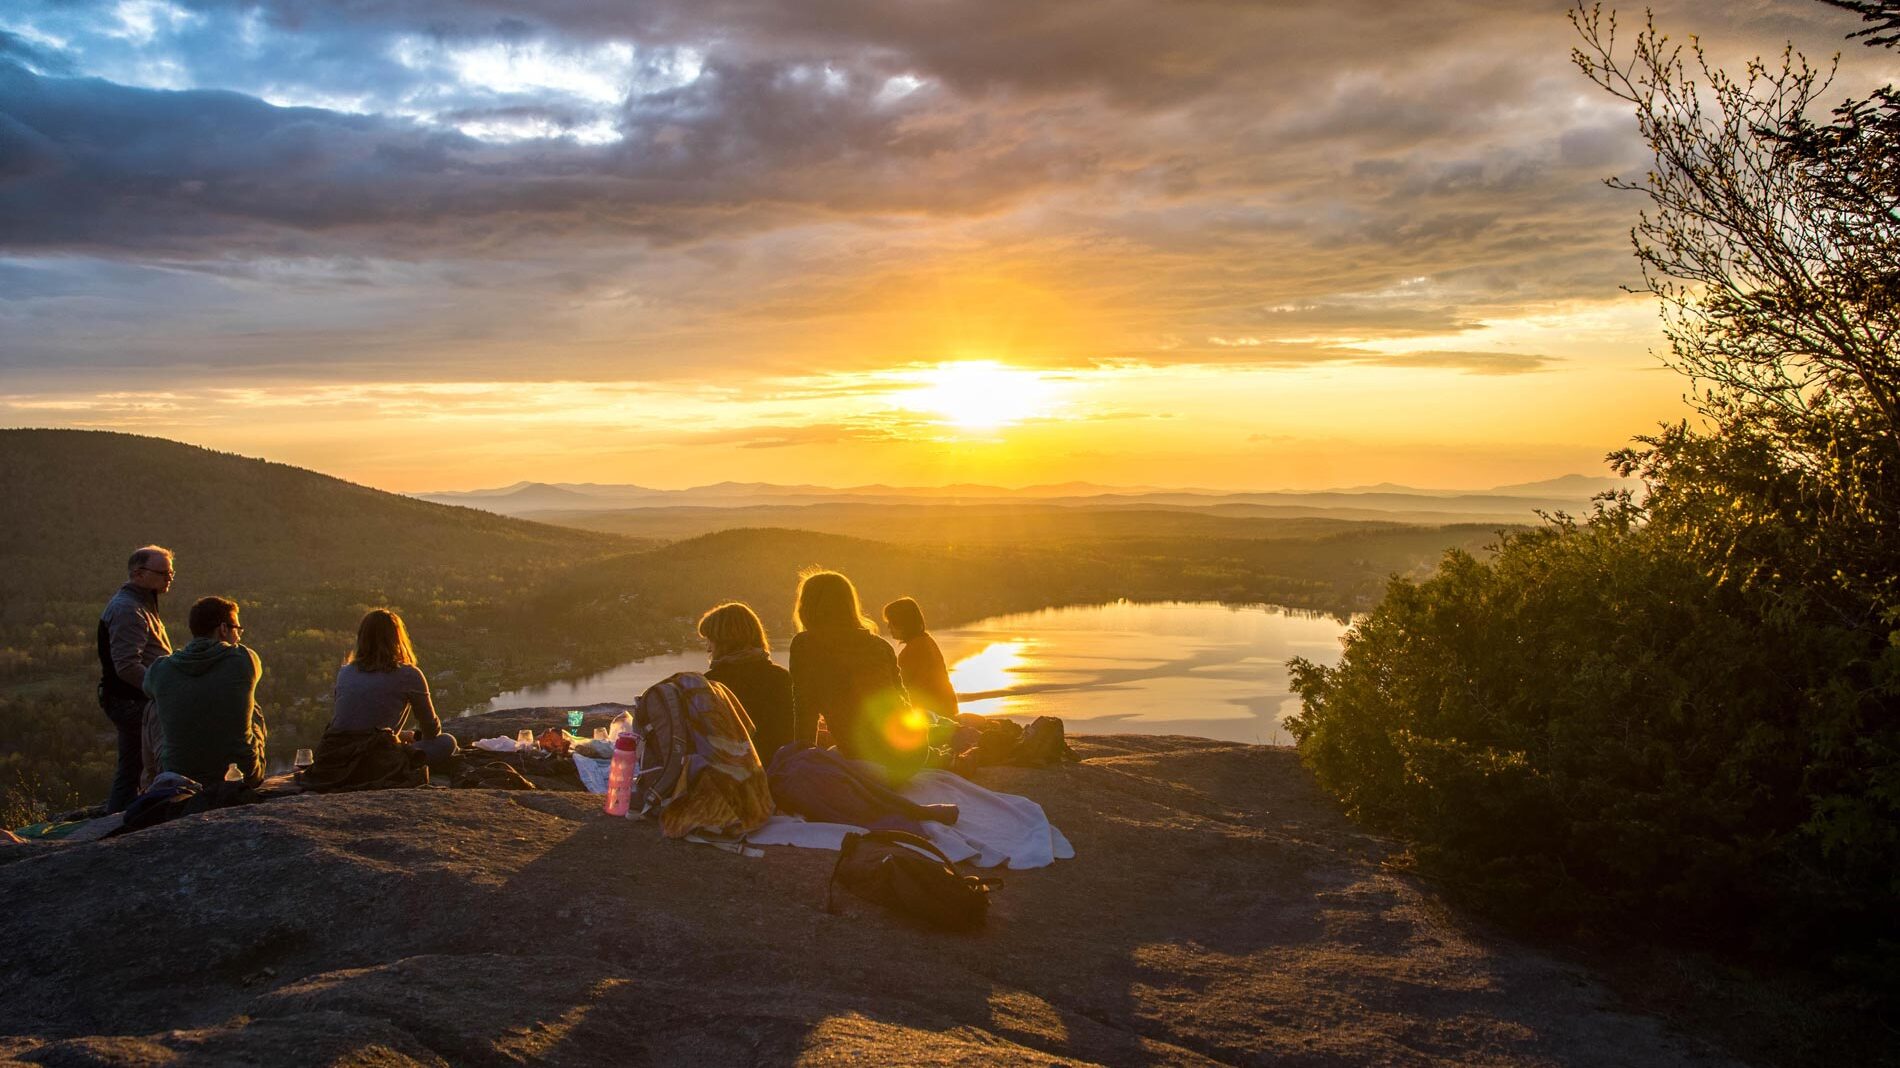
(1199, 668)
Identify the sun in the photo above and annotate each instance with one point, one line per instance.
(980, 394)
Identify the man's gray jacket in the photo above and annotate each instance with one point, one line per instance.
(131, 638)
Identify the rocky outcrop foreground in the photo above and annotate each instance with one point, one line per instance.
(1219, 911)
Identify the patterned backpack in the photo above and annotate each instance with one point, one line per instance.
(698, 770)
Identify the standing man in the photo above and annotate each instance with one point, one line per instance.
(205, 697)
(132, 638)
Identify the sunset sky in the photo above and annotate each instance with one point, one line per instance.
(1238, 245)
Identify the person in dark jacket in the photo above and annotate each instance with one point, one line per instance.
(131, 639)
(379, 685)
(742, 662)
(820, 785)
(844, 673)
(920, 662)
(206, 697)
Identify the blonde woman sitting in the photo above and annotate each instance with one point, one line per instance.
(741, 660)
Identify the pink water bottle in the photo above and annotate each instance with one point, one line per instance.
(620, 774)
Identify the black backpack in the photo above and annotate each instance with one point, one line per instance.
(1043, 743)
(908, 874)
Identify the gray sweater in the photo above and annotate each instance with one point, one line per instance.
(131, 638)
(371, 700)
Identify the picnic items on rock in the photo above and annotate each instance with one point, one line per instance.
(820, 797)
(595, 749)
(621, 724)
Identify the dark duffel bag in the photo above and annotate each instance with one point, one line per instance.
(911, 876)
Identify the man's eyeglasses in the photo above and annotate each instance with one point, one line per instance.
(168, 573)
(235, 629)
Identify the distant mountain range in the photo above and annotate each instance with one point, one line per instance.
(1384, 501)
(562, 494)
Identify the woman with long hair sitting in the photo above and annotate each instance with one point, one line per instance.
(846, 674)
(741, 660)
(379, 685)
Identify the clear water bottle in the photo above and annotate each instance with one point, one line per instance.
(620, 774)
(621, 725)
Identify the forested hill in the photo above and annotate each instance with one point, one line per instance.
(79, 500)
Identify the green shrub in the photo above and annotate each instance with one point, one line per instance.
(1685, 712)
(1596, 723)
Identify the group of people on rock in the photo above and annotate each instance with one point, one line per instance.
(193, 711)
(875, 704)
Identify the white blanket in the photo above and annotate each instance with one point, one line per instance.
(992, 828)
(1002, 828)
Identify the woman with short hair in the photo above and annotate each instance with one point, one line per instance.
(846, 674)
(741, 660)
(379, 685)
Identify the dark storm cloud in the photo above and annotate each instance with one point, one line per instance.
(17, 49)
(91, 165)
(789, 110)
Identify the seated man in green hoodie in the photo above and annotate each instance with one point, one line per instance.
(206, 697)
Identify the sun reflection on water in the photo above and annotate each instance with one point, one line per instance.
(991, 669)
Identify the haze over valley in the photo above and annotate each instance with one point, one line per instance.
(994, 512)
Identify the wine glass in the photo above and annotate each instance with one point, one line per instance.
(524, 739)
(600, 734)
(303, 759)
